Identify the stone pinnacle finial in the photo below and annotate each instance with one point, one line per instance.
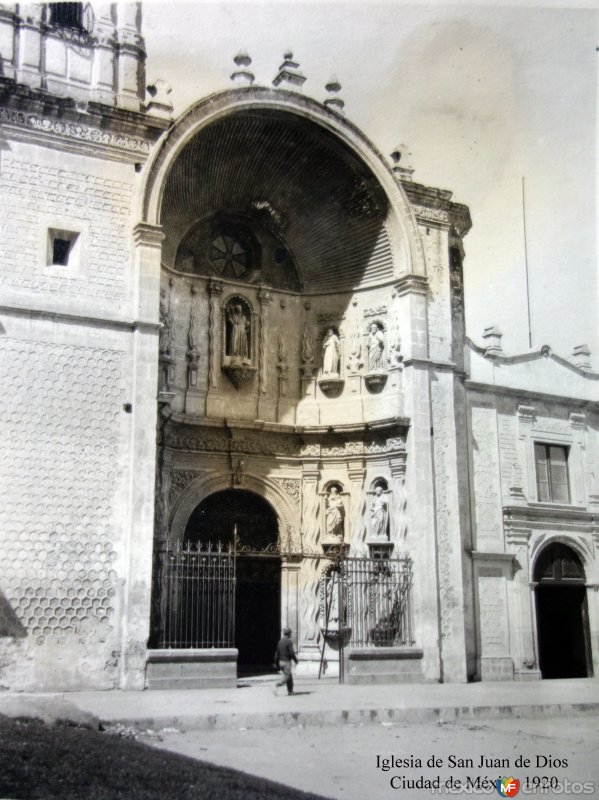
(334, 102)
(402, 162)
(581, 356)
(243, 74)
(492, 336)
(159, 104)
(289, 72)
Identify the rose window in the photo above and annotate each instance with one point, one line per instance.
(228, 256)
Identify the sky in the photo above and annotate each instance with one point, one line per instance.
(482, 95)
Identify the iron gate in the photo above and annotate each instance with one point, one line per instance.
(194, 597)
(364, 601)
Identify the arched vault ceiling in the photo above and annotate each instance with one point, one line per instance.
(316, 195)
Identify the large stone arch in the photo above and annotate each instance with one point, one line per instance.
(402, 222)
(205, 485)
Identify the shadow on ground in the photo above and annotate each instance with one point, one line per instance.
(63, 762)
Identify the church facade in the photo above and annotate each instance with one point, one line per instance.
(240, 396)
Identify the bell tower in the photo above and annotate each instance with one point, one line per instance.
(76, 50)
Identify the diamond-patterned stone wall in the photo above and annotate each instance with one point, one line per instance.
(58, 479)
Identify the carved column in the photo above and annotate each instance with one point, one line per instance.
(215, 289)
(265, 298)
(193, 403)
(397, 514)
(283, 377)
(520, 597)
(355, 471)
(310, 573)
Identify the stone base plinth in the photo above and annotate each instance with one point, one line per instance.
(192, 669)
(496, 669)
(527, 675)
(384, 665)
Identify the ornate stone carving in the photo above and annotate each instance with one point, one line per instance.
(374, 312)
(180, 480)
(282, 366)
(261, 444)
(291, 487)
(166, 342)
(237, 471)
(362, 201)
(308, 354)
(72, 130)
(215, 288)
(424, 214)
(456, 281)
(193, 342)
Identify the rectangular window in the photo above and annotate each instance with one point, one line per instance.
(63, 248)
(552, 473)
(67, 15)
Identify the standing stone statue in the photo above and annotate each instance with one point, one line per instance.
(331, 351)
(379, 514)
(239, 326)
(376, 348)
(334, 514)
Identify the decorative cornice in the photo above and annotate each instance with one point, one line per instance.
(479, 555)
(74, 131)
(417, 284)
(50, 117)
(147, 234)
(549, 515)
(527, 394)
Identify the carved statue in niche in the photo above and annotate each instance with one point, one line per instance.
(334, 514)
(331, 351)
(376, 347)
(379, 514)
(238, 332)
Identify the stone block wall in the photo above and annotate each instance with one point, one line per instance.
(60, 478)
(78, 364)
(64, 192)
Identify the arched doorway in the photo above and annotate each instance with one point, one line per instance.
(219, 518)
(562, 616)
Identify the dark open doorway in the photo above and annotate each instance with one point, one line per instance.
(258, 574)
(562, 617)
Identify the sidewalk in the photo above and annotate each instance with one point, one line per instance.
(316, 703)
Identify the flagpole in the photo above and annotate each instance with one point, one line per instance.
(526, 265)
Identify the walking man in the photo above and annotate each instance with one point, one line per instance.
(284, 655)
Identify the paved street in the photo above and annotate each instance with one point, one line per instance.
(341, 762)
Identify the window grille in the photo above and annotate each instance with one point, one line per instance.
(67, 15)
